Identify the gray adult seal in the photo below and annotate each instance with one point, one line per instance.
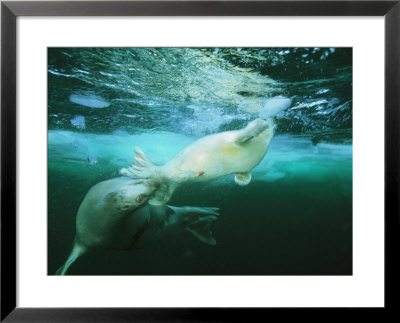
(115, 215)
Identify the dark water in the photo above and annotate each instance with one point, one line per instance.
(295, 216)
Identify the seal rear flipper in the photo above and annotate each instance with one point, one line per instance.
(143, 167)
(201, 230)
(243, 178)
(196, 220)
(76, 252)
(195, 209)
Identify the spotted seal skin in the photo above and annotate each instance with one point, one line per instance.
(115, 215)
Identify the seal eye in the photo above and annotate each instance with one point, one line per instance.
(140, 198)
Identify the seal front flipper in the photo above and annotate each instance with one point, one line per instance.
(242, 178)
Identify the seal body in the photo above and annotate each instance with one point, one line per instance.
(231, 152)
(105, 207)
(220, 154)
(115, 215)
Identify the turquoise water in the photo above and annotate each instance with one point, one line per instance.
(295, 216)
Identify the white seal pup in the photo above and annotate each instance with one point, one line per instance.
(231, 152)
(114, 214)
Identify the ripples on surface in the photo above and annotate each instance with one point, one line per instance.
(198, 91)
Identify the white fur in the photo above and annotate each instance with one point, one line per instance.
(210, 157)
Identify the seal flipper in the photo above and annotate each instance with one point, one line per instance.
(143, 167)
(202, 232)
(77, 251)
(243, 178)
(196, 220)
(253, 129)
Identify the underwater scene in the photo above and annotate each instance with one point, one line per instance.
(200, 161)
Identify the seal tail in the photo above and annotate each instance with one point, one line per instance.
(197, 221)
(143, 167)
(77, 251)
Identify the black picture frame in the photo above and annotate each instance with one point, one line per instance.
(10, 10)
